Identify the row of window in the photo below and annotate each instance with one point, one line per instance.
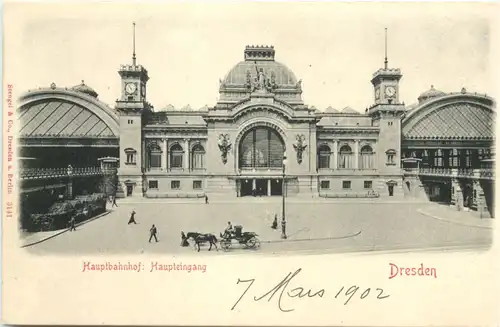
(175, 185)
(346, 185)
(452, 158)
(346, 157)
(176, 157)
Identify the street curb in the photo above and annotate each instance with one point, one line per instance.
(311, 239)
(62, 231)
(420, 211)
(271, 202)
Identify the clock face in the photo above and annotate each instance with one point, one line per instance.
(377, 93)
(390, 91)
(143, 90)
(130, 88)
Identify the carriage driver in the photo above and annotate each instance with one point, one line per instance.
(229, 229)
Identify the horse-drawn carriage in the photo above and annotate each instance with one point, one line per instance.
(248, 239)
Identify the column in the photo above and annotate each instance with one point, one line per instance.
(269, 187)
(356, 154)
(164, 155)
(186, 154)
(254, 184)
(335, 154)
(69, 189)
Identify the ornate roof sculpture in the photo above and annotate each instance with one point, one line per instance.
(259, 72)
(83, 88)
(430, 94)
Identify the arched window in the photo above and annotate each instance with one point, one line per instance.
(176, 154)
(261, 147)
(154, 156)
(366, 157)
(198, 157)
(324, 154)
(345, 157)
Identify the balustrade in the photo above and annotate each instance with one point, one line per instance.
(484, 173)
(40, 173)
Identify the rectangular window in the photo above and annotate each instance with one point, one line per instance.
(175, 185)
(130, 158)
(346, 185)
(153, 185)
(325, 185)
(196, 185)
(368, 184)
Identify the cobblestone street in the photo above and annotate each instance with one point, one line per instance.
(313, 227)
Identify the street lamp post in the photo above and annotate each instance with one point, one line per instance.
(283, 221)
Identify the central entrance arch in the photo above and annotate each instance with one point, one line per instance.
(261, 148)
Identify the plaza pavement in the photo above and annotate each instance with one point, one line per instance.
(313, 227)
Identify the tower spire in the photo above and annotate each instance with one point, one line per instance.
(133, 54)
(385, 61)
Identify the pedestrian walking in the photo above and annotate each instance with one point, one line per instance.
(152, 233)
(275, 222)
(114, 202)
(206, 199)
(132, 218)
(72, 223)
(283, 229)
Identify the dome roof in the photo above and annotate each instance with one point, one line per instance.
(85, 89)
(432, 93)
(257, 57)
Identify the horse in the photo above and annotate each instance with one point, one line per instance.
(200, 238)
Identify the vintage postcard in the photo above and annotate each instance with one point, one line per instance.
(252, 163)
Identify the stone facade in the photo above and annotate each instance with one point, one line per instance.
(186, 153)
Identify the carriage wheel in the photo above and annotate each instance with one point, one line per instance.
(257, 242)
(251, 242)
(225, 244)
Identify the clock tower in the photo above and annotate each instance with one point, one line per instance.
(131, 107)
(386, 113)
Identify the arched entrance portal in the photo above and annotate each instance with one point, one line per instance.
(260, 158)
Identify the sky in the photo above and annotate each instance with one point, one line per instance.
(187, 48)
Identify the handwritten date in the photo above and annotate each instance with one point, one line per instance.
(297, 293)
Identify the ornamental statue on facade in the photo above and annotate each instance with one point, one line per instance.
(261, 82)
(224, 146)
(300, 146)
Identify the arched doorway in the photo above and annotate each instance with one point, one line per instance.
(261, 149)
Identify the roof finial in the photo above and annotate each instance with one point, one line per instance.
(133, 54)
(385, 61)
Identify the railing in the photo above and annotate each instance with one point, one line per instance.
(41, 173)
(478, 173)
(487, 173)
(175, 169)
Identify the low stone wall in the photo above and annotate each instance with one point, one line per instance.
(158, 195)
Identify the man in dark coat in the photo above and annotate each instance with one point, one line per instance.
(114, 202)
(72, 224)
(152, 233)
(132, 218)
(275, 222)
